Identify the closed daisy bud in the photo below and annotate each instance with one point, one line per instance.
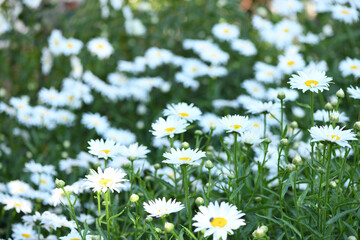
(209, 165)
(340, 93)
(148, 219)
(157, 166)
(334, 116)
(351, 238)
(199, 201)
(259, 233)
(231, 176)
(357, 126)
(297, 160)
(264, 228)
(281, 95)
(59, 183)
(328, 106)
(333, 184)
(291, 167)
(284, 142)
(169, 227)
(294, 124)
(134, 198)
(185, 145)
(198, 132)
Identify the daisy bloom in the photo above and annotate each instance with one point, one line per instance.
(345, 14)
(102, 181)
(354, 92)
(161, 207)
(350, 66)
(218, 220)
(235, 123)
(104, 149)
(100, 47)
(168, 127)
(314, 81)
(225, 31)
(19, 204)
(184, 156)
(134, 151)
(73, 235)
(21, 231)
(330, 134)
(183, 110)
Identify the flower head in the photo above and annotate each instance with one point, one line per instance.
(104, 149)
(102, 181)
(183, 111)
(168, 127)
(235, 123)
(330, 134)
(218, 219)
(183, 156)
(314, 81)
(161, 207)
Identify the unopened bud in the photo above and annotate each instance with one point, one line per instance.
(297, 160)
(198, 132)
(328, 107)
(321, 170)
(258, 233)
(134, 198)
(158, 230)
(281, 95)
(267, 140)
(132, 158)
(212, 127)
(357, 126)
(66, 144)
(340, 93)
(59, 183)
(148, 219)
(185, 145)
(294, 124)
(29, 154)
(209, 164)
(333, 184)
(334, 116)
(169, 227)
(199, 201)
(284, 142)
(351, 238)
(264, 228)
(157, 166)
(291, 167)
(231, 176)
(258, 199)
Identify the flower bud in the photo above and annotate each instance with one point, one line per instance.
(134, 198)
(328, 106)
(157, 166)
(264, 228)
(334, 116)
(357, 126)
(199, 201)
(321, 170)
(59, 183)
(258, 233)
(284, 142)
(297, 160)
(291, 167)
(209, 165)
(281, 95)
(64, 155)
(212, 127)
(267, 140)
(66, 144)
(132, 158)
(169, 227)
(351, 238)
(148, 219)
(294, 124)
(258, 199)
(231, 176)
(185, 145)
(29, 154)
(332, 184)
(340, 93)
(198, 132)
(158, 230)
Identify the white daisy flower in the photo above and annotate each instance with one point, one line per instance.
(102, 181)
(32, 3)
(267, 73)
(350, 66)
(354, 92)
(100, 47)
(334, 135)
(314, 81)
(19, 204)
(210, 121)
(235, 123)
(254, 88)
(251, 138)
(55, 42)
(218, 220)
(71, 46)
(168, 127)
(184, 156)
(183, 110)
(345, 14)
(291, 62)
(96, 121)
(44, 181)
(74, 235)
(161, 207)
(21, 232)
(104, 149)
(46, 61)
(323, 116)
(259, 107)
(135, 151)
(225, 31)
(244, 47)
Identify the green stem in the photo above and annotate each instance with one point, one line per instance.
(163, 220)
(265, 125)
(327, 181)
(282, 118)
(235, 156)
(107, 196)
(209, 188)
(186, 188)
(312, 108)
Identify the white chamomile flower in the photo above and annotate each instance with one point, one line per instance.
(354, 92)
(291, 62)
(225, 31)
(134, 151)
(104, 149)
(21, 232)
(350, 66)
(259, 107)
(183, 110)
(210, 121)
(345, 14)
(168, 127)
(100, 47)
(330, 134)
(74, 235)
(102, 181)
(244, 47)
(71, 46)
(184, 156)
(251, 138)
(235, 123)
(161, 207)
(314, 81)
(19, 204)
(218, 220)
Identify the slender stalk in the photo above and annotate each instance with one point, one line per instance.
(99, 209)
(265, 125)
(186, 188)
(327, 181)
(320, 194)
(282, 118)
(107, 196)
(163, 220)
(235, 156)
(295, 202)
(312, 108)
(209, 188)
(39, 231)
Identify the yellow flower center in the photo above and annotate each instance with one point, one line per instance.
(170, 129)
(17, 204)
(286, 30)
(226, 31)
(42, 181)
(183, 114)
(105, 181)
(256, 125)
(75, 239)
(21, 190)
(354, 67)
(270, 73)
(26, 235)
(70, 45)
(236, 126)
(187, 159)
(311, 83)
(218, 222)
(334, 136)
(100, 46)
(194, 69)
(105, 151)
(346, 12)
(290, 63)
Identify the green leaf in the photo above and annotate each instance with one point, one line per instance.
(269, 218)
(189, 233)
(291, 227)
(303, 105)
(228, 154)
(338, 216)
(302, 196)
